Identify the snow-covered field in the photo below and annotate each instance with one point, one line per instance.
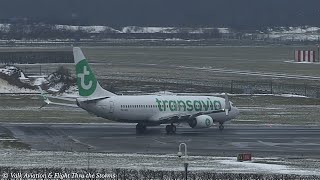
(302, 33)
(170, 162)
(5, 87)
(129, 29)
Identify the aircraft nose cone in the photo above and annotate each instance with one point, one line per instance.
(234, 112)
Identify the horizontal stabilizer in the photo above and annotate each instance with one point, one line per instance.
(47, 101)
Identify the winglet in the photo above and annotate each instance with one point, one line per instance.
(45, 98)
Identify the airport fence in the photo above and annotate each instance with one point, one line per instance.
(232, 87)
(125, 174)
(256, 87)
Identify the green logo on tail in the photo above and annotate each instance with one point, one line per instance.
(86, 81)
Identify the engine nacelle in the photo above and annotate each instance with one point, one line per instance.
(202, 121)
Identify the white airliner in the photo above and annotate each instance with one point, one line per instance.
(148, 110)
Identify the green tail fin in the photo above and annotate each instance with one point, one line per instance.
(86, 81)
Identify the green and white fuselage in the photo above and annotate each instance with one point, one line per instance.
(148, 110)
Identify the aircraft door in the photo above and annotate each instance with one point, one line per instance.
(111, 110)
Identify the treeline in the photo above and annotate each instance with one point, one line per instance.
(20, 31)
(36, 57)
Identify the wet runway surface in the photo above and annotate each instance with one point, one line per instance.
(260, 140)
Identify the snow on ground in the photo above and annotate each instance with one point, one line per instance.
(224, 30)
(39, 81)
(5, 27)
(294, 37)
(5, 87)
(300, 33)
(291, 95)
(56, 87)
(295, 30)
(136, 29)
(267, 168)
(72, 92)
(89, 29)
(23, 158)
(295, 62)
(8, 70)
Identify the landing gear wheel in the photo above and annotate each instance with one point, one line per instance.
(221, 127)
(171, 129)
(141, 128)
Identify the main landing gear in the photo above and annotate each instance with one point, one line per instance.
(221, 127)
(141, 128)
(171, 129)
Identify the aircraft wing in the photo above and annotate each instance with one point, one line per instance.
(60, 104)
(72, 99)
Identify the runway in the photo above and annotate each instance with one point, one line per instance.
(260, 140)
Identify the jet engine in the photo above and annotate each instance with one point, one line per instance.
(202, 121)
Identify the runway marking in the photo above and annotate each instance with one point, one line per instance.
(79, 142)
(268, 143)
(289, 143)
(161, 142)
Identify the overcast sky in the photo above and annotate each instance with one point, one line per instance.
(200, 13)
